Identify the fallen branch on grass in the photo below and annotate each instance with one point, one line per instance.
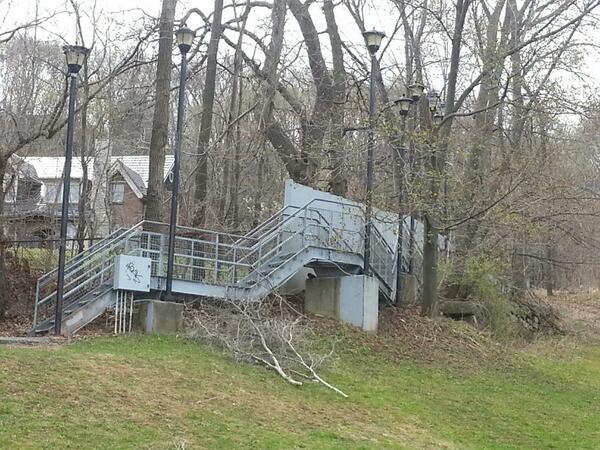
(267, 332)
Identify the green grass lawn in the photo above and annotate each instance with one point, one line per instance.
(161, 392)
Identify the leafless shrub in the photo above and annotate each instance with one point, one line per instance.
(267, 332)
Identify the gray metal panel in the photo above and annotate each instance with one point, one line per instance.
(87, 313)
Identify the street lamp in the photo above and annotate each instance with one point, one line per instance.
(433, 98)
(75, 56)
(184, 38)
(416, 90)
(404, 103)
(437, 119)
(373, 40)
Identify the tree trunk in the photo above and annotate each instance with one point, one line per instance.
(233, 133)
(160, 120)
(234, 205)
(82, 205)
(549, 276)
(257, 203)
(338, 182)
(208, 98)
(437, 165)
(430, 256)
(4, 283)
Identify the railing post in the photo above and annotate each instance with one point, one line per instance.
(216, 277)
(234, 264)
(160, 271)
(304, 227)
(37, 299)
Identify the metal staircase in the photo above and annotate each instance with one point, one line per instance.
(216, 264)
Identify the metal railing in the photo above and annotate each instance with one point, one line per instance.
(85, 273)
(219, 258)
(382, 259)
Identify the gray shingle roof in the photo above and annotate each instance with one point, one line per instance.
(51, 167)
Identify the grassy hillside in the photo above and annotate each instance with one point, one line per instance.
(160, 393)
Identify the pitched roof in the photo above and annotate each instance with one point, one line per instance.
(132, 177)
(141, 165)
(51, 167)
(25, 170)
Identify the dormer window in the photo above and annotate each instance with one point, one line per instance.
(117, 192)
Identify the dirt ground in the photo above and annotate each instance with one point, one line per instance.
(579, 311)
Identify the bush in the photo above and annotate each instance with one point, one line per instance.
(484, 281)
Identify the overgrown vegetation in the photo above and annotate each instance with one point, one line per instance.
(484, 281)
(502, 308)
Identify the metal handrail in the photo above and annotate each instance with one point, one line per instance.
(268, 236)
(76, 266)
(85, 270)
(265, 258)
(195, 230)
(288, 218)
(86, 252)
(282, 210)
(382, 240)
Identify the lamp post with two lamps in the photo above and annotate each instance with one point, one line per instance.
(412, 97)
(75, 56)
(404, 104)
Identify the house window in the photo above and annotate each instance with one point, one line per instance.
(53, 192)
(118, 192)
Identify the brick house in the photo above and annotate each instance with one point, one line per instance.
(116, 195)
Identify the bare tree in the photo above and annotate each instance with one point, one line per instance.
(208, 98)
(160, 121)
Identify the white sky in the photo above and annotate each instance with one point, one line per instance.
(62, 27)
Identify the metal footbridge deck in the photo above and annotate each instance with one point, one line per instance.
(216, 264)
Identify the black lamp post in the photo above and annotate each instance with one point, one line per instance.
(184, 37)
(373, 40)
(404, 104)
(75, 56)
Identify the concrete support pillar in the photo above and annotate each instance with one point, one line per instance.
(158, 317)
(350, 299)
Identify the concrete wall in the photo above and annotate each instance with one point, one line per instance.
(158, 317)
(351, 299)
(350, 218)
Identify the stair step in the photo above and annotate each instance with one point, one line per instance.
(284, 256)
(45, 327)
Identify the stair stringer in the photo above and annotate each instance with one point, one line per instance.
(308, 255)
(88, 312)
